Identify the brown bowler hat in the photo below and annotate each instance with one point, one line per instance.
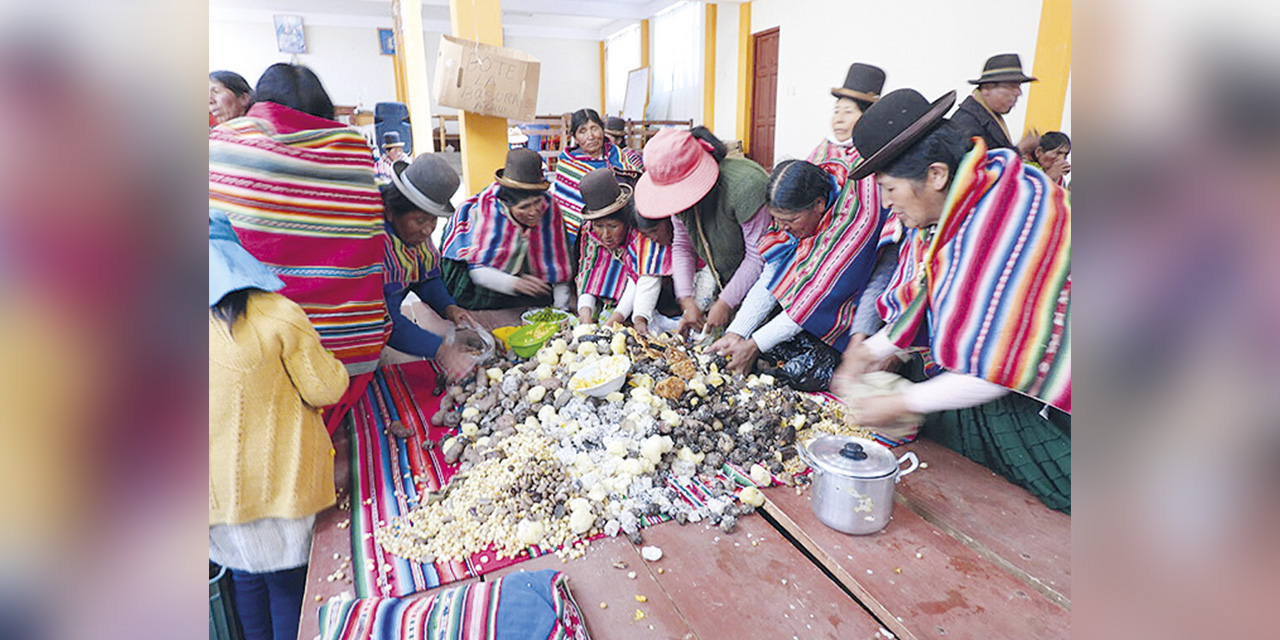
(1006, 67)
(602, 194)
(892, 125)
(523, 171)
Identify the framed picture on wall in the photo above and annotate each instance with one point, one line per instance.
(289, 35)
(387, 41)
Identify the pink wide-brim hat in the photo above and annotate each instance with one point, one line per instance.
(678, 172)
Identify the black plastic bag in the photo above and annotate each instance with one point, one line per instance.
(804, 362)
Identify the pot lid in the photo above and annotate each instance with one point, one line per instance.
(852, 457)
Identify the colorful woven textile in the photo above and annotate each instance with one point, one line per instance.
(573, 165)
(525, 605)
(828, 150)
(482, 233)
(604, 273)
(406, 265)
(992, 280)
(299, 191)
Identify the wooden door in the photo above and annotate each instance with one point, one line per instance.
(764, 96)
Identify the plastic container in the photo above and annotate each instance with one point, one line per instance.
(610, 371)
(526, 340)
(502, 334)
(561, 316)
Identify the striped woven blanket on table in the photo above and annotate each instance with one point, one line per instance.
(526, 605)
(389, 475)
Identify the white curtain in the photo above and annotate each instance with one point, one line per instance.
(621, 55)
(677, 63)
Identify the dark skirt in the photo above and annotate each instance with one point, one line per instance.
(1009, 436)
(472, 296)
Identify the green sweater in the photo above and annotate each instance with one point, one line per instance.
(740, 193)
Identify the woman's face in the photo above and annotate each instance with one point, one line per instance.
(224, 104)
(843, 118)
(528, 212)
(590, 138)
(611, 233)
(1047, 159)
(662, 234)
(414, 227)
(917, 203)
(800, 224)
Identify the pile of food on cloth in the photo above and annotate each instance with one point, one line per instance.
(599, 432)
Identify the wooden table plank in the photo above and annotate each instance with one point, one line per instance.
(593, 579)
(727, 588)
(949, 591)
(1001, 521)
(328, 540)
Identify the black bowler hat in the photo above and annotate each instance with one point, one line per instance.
(892, 124)
(428, 183)
(863, 82)
(1006, 67)
(602, 194)
(615, 126)
(523, 171)
(391, 139)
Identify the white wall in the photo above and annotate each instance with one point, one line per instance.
(570, 76)
(345, 58)
(932, 46)
(726, 90)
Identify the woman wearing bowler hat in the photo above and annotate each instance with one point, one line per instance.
(392, 152)
(619, 264)
(589, 149)
(984, 279)
(417, 198)
(506, 246)
(716, 208)
(862, 86)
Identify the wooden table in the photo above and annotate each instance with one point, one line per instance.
(966, 555)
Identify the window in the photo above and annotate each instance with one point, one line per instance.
(621, 56)
(677, 63)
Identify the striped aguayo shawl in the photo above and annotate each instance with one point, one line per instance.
(482, 233)
(996, 279)
(604, 273)
(827, 151)
(406, 265)
(526, 605)
(572, 166)
(299, 192)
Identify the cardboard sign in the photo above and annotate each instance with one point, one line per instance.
(488, 80)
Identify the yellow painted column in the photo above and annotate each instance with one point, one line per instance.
(402, 88)
(417, 87)
(745, 69)
(484, 138)
(1052, 67)
(602, 109)
(709, 69)
(644, 43)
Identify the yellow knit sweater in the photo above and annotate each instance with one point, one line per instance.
(269, 453)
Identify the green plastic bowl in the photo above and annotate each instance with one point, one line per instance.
(526, 340)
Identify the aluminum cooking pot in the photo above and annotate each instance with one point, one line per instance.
(853, 481)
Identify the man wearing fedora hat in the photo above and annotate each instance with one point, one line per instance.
(392, 152)
(999, 86)
(984, 277)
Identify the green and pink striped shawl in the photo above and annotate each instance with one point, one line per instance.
(299, 192)
(993, 282)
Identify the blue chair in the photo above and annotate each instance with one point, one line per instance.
(393, 116)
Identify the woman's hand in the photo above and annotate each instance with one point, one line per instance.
(641, 325)
(460, 316)
(533, 286)
(455, 363)
(585, 315)
(857, 360)
(742, 356)
(615, 318)
(725, 343)
(719, 315)
(879, 410)
(692, 318)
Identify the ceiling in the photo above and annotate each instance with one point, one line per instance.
(573, 19)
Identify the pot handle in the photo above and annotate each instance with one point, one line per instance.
(915, 463)
(802, 450)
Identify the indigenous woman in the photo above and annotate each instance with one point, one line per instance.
(719, 217)
(1050, 156)
(862, 86)
(618, 262)
(270, 459)
(985, 281)
(589, 149)
(615, 129)
(229, 95)
(298, 188)
(506, 246)
(416, 199)
(823, 273)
